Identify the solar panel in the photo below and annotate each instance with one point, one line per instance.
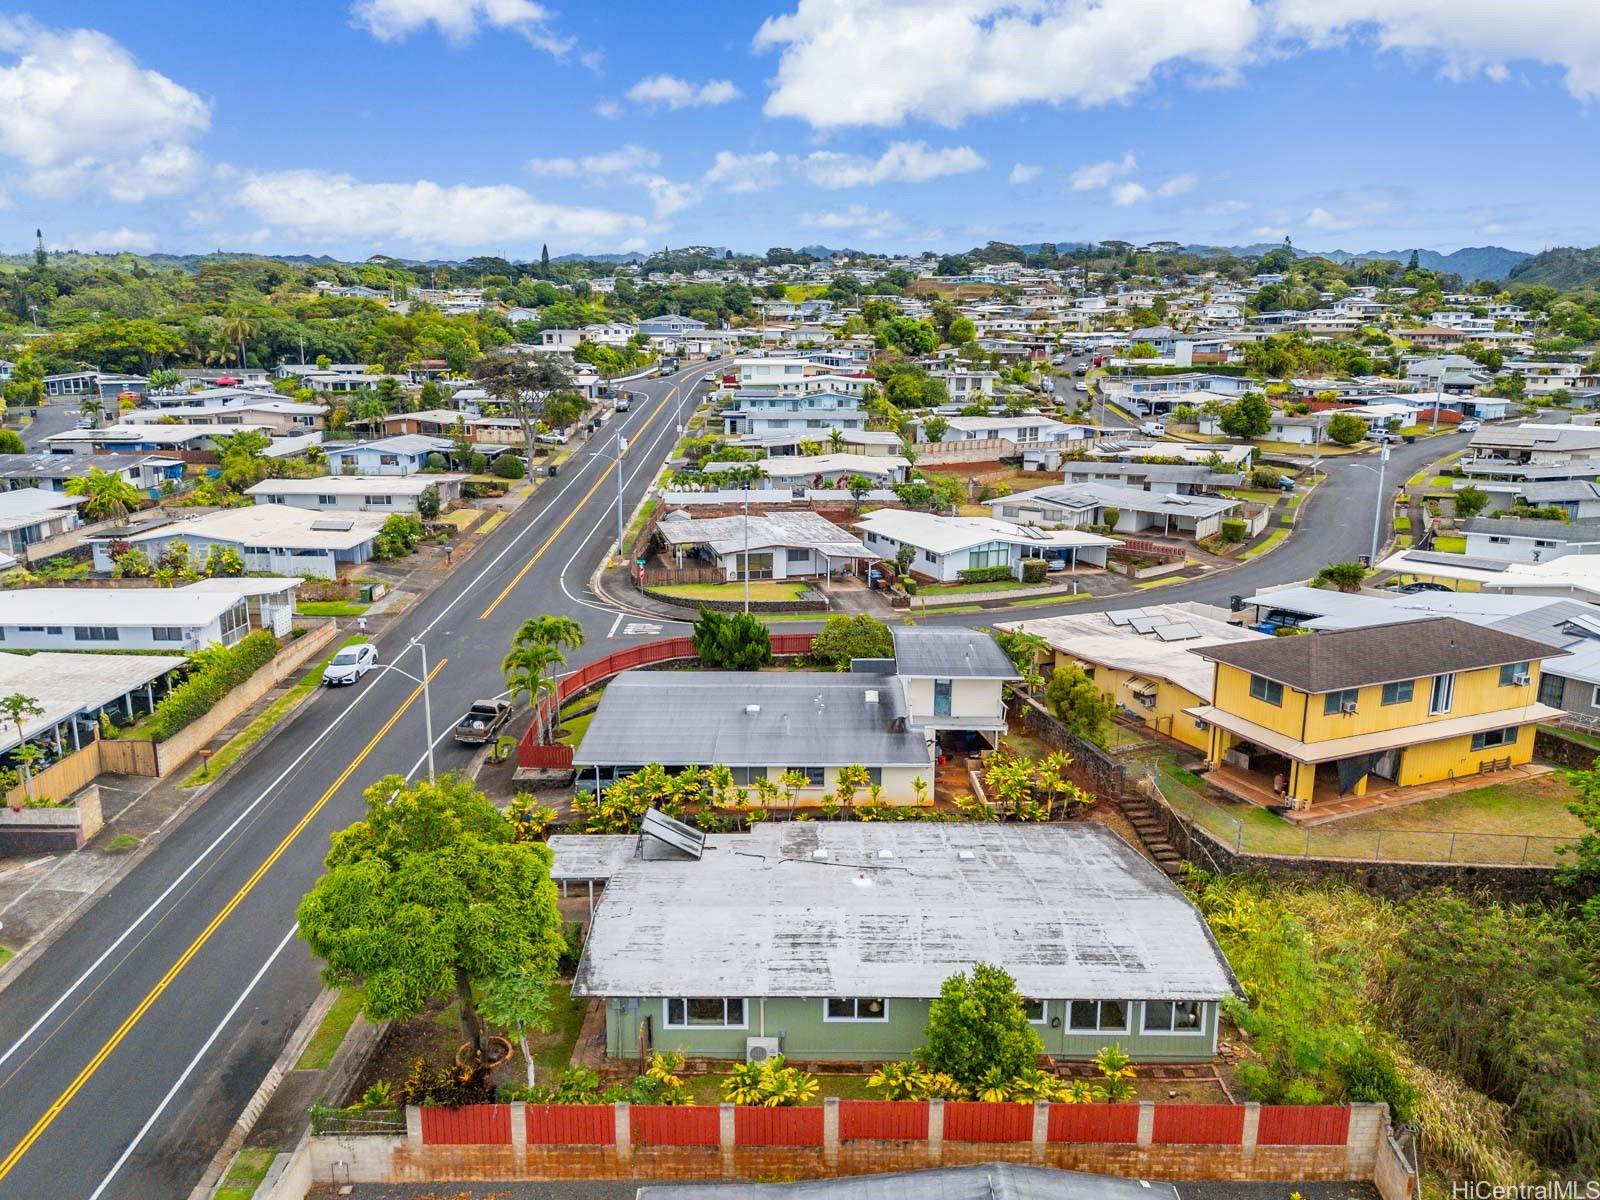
(685, 839)
(1178, 632)
(1123, 616)
(334, 525)
(1149, 624)
(1589, 625)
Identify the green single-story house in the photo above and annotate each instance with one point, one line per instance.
(828, 940)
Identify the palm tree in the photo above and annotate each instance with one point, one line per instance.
(93, 408)
(106, 494)
(836, 440)
(527, 672)
(239, 327)
(550, 630)
(367, 409)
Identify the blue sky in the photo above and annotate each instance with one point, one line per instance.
(452, 127)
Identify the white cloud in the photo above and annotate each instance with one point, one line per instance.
(1024, 173)
(1467, 36)
(882, 62)
(609, 109)
(668, 197)
(326, 208)
(1094, 176)
(137, 240)
(1269, 233)
(1178, 184)
(458, 21)
(1129, 193)
(902, 162)
(681, 93)
(1226, 208)
(746, 172)
(854, 218)
(624, 159)
(79, 113)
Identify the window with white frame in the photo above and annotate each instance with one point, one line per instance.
(1443, 695)
(705, 1012)
(1097, 1016)
(855, 1008)
(1171, 1016)
(1037, 1011)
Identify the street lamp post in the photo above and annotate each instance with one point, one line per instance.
(622, 448)
(1377, 515)
(427, 695)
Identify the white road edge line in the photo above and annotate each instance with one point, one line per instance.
(194, 1062)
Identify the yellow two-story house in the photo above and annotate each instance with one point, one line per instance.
(1315, 717)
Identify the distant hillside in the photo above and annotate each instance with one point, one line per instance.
(1470, 262)
(1565, 267)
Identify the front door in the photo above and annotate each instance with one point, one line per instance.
(941, 697)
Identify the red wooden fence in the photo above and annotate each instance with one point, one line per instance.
(1199, 1125)
(975, 1121)
(678, 649)
(571, 1125)
(666, 1125)
(777, 1126)
(1303, 1125)
(1094, 1123)
(473, 1125)
(883, 1120)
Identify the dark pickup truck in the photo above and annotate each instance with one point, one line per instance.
(483, 720)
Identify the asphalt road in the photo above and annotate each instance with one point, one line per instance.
(57, 415)
(129, 1048)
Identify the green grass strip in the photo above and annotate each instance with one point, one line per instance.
(325, 1043)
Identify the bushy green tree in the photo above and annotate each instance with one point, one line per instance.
(842, 638)
(1248, 417)
(1470, 501)
(731, 641)
(431, 897)
(1345, 576)
(977, 1029)
(1078, 704)
(1346, 429)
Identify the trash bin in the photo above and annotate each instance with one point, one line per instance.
(1411, 439)
(550, 471)
(366, 593)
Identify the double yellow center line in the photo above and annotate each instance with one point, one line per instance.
(59, 1105)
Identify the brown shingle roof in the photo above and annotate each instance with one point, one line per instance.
(1349, 658)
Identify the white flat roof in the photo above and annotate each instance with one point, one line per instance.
(28, 506)
(350, 485)
(64, 684)
(943, 535)
(116, 606)
(272, 525)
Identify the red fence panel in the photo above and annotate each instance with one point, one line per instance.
(572, 1125)
(473, 1125)
(1303, 1125)
(667, 1125)
(1094, 1123)
(777, 1126)
(883, 1120)
(975, 1121)
(550, 757)
(791, 643)
(1199, 1124)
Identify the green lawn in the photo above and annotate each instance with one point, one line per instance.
(6, 955)
(1267, 543)
(325, 1042)
(331, 608)
(967, 589)
(257, 729)
(1161, 581)
(1521, 820)
(1252, 494)
(1448, 543)
(797, 293)
(553, 1050)
(760, 589)
(573, 728)
(245, 1173)
(1572, 735)
(1402, 524)
(1443, 482)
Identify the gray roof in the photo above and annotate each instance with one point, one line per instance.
(1113, 495)
(704, 718)
(1576, 468)
(976, 1181)
(956, 652)
(1153, 472)
(1351, 658)
(1564, 491)
(820, 908)
(45, 465)
(761, 531)
(404, 443)
(1532, 527)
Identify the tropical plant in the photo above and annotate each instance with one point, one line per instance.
(978, 1025)
(770, 1084)
(1345, 576)
(18, 709)
(106, 494)
(843, 638)
(731, 641)
(1078, 704)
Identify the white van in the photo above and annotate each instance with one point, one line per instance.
(1153, 429)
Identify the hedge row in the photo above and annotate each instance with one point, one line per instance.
(985, 574)
(219, 671)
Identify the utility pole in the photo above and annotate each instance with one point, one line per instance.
(622, 448)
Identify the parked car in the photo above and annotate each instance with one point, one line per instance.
(1080, 386)
(350, 664)
(482, 721)
(1470, 426)
(623, 404)
(709, 377)
(556, 437)
(1383, 435)
(1422, 585)
(1153, 429)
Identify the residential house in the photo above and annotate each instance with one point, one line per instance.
(274, 539)
(194, 441)
(943, 547)
(1529, 540)
(1027, 429)
(30, 515)
(830, 940)
(788, 443)
(759, 414)
(1077, 505)
(1530, 443)
(277, 417)
(358, 493)
(1300, 720)
(404, 454)
(1145, 659)
(211, 612)
(954, 679)
(967, 385)
(1178, 479)
(773, 545)
(52, 472)
(1579, 499)
(820, 470)
(73, 691)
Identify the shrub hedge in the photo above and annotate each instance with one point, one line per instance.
(218, 671)
(1234, 530)
(984, 574)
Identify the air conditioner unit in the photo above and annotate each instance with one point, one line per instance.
(1348, 708)
(760, 1049)
(1521, 679)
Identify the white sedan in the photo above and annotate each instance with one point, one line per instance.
(350, 664)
